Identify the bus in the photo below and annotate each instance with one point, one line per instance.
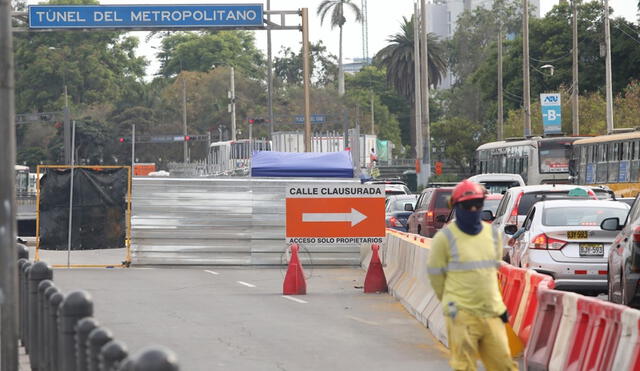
(609, 160)
(538, 160)
(230, 156)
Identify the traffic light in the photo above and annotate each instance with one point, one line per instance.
(257, 120)
(187, 138)
(124, 139)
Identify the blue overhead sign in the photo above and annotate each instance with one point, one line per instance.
(131, 16)
(315, 119)
(551, 113)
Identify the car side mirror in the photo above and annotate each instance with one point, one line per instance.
(611, 224)
(486, 215)
(408, 207)
(441, 218)
(510, 229)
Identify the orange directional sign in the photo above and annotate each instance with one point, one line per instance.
(335, 214)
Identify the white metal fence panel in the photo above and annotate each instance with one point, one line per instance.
(220, 221)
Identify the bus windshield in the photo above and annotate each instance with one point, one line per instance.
(554, 156)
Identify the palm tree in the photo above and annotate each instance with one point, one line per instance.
(338, 19)
(398, 59)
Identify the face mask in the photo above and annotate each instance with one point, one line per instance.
(468, 221)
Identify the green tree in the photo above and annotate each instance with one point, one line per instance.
(551, 43)
(398, 59)
(288, 67)
(203, 51)
(458, 138)
(338, 19)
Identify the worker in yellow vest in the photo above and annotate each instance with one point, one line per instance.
(462, 269)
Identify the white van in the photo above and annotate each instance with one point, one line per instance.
(498, 182)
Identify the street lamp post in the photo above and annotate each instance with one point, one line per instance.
(67, 115)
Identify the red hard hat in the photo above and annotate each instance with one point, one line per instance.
(467, 190)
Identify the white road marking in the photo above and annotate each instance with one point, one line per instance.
(363, 321)
(246, 284)
(295, 299)
(212, 272)
(354, 217)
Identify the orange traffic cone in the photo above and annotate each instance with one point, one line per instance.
(375, 280)
(294, 283)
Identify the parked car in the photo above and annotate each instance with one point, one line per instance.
(431, 211)
(491, 203)
(398, 210)
(624, 257)
(498, 182)
(563, 238)
(518, 200)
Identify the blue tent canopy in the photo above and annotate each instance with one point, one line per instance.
(305, 164)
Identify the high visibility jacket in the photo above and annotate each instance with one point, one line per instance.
(462, 269)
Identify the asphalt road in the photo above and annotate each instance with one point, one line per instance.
(238, 319)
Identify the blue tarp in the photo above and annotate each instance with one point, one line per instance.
(305, 164)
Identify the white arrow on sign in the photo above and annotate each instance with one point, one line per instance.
(354, 217)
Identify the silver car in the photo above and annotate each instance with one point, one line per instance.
(517, 201)
(563, 238)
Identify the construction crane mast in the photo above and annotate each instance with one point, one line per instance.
(365, 31)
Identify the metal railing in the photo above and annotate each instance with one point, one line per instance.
(58, 330)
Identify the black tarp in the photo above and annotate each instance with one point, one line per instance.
(99, 208)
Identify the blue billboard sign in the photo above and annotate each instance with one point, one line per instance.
(551, 113)
(132, 16)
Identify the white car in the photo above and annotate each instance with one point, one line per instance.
(498, 182)
(563, 238)
(518, 200)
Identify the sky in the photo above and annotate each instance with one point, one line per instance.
(385, 17)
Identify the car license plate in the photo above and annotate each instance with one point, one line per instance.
(577, 235)
(591, 249)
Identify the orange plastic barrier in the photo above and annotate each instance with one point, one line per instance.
(503, 276)
(529, 305)
(605, 338)
(544, 329)
(595, 335)
(513, 291)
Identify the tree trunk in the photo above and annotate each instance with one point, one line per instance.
(340, 69)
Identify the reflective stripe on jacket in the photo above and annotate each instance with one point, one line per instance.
(463, 269)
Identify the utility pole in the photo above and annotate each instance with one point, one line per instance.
(500, 134)
(575, 92)
(417, 95)
(607, 40)
(8, 253)
(269, 73)
(184, 117)
(526, 93)
(133, 148)
(232, 97)
(424, 94)
(67, 127)
(307, 83)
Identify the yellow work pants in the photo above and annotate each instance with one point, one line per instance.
(471, 337)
